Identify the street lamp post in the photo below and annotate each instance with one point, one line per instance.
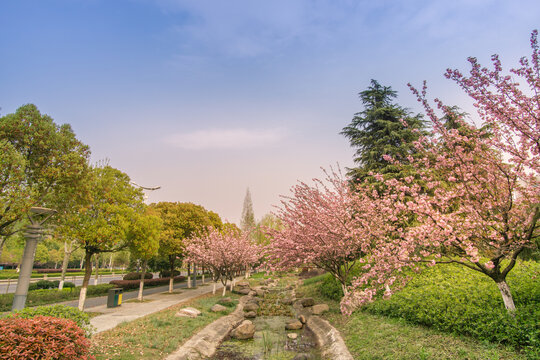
(37, 217)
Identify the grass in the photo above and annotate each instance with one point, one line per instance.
(156, 335)
(370, 337)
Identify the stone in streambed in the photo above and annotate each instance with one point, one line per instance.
(244, 331)
(319, 309)
(251, 306)
(250, 314)
(293, 325)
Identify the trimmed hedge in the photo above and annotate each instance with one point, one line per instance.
(167, 273)
(454, 299)
(49, 284)
(81, 318)
(137, 276)
(134, 284)
(55, 271)
(52, 296)
(42, 337)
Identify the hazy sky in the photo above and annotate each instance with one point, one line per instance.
(207, 98)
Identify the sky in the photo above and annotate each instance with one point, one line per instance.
(207, 98)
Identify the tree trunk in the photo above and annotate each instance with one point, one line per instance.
(111, 262)
(224, 288)
(507, 296)
(2, 242)
(188, 275)
(67, 253)
(214, 288)
(171, 278)
(96, 258)
(86, 280)
(141, 284)
(82, 262)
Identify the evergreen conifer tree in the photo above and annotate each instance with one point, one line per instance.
(382, 128)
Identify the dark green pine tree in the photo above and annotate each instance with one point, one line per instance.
(377, 131)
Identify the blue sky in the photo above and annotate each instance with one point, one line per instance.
(207, 98)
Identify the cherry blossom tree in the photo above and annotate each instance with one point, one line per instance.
(326, 224)
(468, 206)
(475, 201)
(223, 252)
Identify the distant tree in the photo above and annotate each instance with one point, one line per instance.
(143, 237)
(180, 222)
(103, 225)
(39, 162)
(247, 223)
(382, 128)
(223, 252)
(268, 221)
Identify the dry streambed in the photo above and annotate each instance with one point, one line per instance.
(269, 323)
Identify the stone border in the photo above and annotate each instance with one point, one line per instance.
(328, 337)
(204, 343)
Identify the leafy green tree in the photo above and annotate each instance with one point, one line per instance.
(40, 162)
(143, 237)
(382, 128)
(181, 221)
(269, 221)
(103, 225)
(247, 223)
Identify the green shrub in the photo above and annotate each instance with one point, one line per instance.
(137, 276)
(330, 288)
(42, 337)
(454, 299)
(81, 318)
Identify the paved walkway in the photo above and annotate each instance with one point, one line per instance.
(130, 311)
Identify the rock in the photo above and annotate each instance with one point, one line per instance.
(292, 336)
(241, 291)
(254, 299)
(250, 314)
(188, 312)
(287, 301)
(251, 306)
(243, 285)
(260, 292)
(307, 302)
(319, 309)
(225, 300)
(218, 308)
(264, 288)
(252, 293)
(293, 325)
(244, 331)
(302, 319)
(302, 356)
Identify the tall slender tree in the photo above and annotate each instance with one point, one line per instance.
(382, 128)
(247, 223)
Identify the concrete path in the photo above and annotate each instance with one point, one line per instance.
(130, 311)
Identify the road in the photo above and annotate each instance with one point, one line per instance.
(102, 300)
(7, 286)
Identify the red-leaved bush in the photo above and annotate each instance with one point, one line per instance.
(42, 337)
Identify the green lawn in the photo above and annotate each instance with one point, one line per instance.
(156, 335)
(377, 337)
